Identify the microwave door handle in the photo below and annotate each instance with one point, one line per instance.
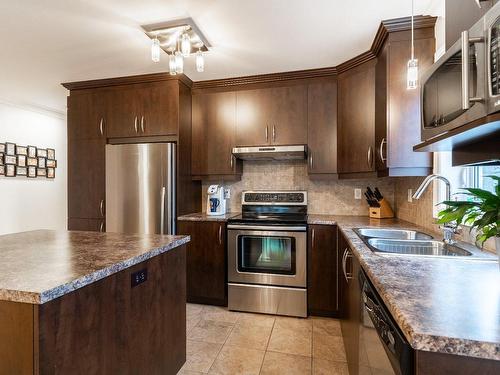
(466, 41)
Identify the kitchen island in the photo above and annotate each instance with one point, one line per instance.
(92, 303)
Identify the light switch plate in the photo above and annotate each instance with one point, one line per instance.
(357, 193)
(410, 195)
(227, 193)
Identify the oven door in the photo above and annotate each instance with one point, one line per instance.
(267, 255)
(453, 89)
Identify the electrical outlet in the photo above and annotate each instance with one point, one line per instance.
(139, 277)
(410, 195)
(227, 193)
(357, 193)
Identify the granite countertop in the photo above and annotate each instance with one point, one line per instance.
(202, 216)
(42, 265)
(447, 305)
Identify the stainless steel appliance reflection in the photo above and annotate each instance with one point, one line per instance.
(140, 188)
(267, 252)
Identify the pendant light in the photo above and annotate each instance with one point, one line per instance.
(185, 45)
(155, 50)
(179, 63)
(200, 61)
(171, 64)
(412, 68)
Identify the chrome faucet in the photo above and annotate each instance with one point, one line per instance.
(449, 229)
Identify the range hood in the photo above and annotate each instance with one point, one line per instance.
(271, 152)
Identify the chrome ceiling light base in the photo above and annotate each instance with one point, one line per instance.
(179, 38)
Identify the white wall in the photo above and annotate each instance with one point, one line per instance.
(27, 204)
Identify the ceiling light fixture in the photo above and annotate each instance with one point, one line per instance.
(412, 68)
(177, 38)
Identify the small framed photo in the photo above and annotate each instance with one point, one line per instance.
(2, 170)
(41, 152)
(10, 159)
(10, 148)
(32, 172)
(41, 172)
(21, 160)
(32, 162)
(21, 171)
(10, 171)
(22, 150)
(1, 159)
(32, 151)
(51, 163)
(2, 148)
(51, 153)
(51, 173)
(42, 162)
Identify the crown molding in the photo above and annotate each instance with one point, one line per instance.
(385, 28)
(128, 80)
(30, 107)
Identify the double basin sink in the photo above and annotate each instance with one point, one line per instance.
(407, 242)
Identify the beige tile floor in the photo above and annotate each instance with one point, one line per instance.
(226, 342)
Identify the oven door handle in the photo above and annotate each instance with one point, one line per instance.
(268, 228)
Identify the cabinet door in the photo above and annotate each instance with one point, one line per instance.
(93, 225)
(213, 137)
(206, 262)
(356, 119)
(322, 127)
(288, 115)
(322, 271)
(86, 179)
(87, 116)
(253, 122)
(123, 107)
(159, 108)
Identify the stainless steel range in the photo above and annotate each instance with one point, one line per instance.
(267, 252)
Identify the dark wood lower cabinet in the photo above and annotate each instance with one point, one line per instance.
(107, 327)
(93, 225)
(323, 297)
(206, 261)
(427, 363)
(351, 294)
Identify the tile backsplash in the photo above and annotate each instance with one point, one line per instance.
(325, 197)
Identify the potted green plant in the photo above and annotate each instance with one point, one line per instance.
(482, 213)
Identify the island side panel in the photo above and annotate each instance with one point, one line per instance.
(16, 338)
(110, 327)
(430, 363)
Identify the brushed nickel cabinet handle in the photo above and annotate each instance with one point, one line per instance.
(231, 161)
(311, 162)
(369, 157)
(274, 133)
(381, 150)
(101, 126)
(135, 125)
(267, 133)
(101, 227)
(142, 124)
(312, 240)
(220, 234)
(343, 265)
(101, 207)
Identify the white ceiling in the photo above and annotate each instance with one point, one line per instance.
(46, 42)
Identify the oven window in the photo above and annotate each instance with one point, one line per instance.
(266, 254)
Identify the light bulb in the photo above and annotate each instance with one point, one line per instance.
(155, 50)
(185, 45)
(171, 65)
(200, 61)
(179, 63)
(412, 74)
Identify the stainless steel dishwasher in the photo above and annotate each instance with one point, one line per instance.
(383, 349)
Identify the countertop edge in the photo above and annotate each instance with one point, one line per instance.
(201, 216)
(59, 291)
(418, 340)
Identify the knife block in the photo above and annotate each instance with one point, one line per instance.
(383, 212)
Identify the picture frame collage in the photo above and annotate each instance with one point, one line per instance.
(27, 161)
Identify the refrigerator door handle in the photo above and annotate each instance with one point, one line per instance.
(162, 210)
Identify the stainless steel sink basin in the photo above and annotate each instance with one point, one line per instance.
(416, 247)
(399, 234)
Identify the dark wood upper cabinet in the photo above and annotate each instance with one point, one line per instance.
(206, 261)
(214, 133)
(272, 116)
(146, 109)
(87, 116)
(323, 265)
(322, 128)
(356, 121)
(398, 113)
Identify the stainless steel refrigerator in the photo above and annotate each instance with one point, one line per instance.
(140, 188)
